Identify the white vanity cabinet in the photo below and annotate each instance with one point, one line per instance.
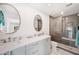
(35, 46)
(33, 49)
(46, 46)
(42, 47)
(18, 51)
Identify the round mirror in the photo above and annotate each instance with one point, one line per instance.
(9, 18)
(38, 23)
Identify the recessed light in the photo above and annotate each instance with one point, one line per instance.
(67, 18)
(77, 14)
(49, 4)
(62, 13)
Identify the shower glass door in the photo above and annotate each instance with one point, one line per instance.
(69, 32)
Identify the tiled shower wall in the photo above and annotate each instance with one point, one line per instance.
(59, 24)
(55, 27)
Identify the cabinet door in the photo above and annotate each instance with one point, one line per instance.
(6, 53)
(33, 49)
(18, 51)
(39, 48)
(45, 46)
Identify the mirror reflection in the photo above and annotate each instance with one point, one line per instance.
(38, 23)
(9, 18)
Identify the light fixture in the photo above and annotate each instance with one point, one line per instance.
(66, 18)
(68, 4)
(62, 13)
(77, 14)
(49, 4)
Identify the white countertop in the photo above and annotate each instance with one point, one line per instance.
(25, 41)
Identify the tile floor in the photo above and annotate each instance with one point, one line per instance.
(58, 51)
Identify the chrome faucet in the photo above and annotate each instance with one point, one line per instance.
(9, 39)
(3, 41)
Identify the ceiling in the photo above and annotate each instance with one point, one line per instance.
(56, 9)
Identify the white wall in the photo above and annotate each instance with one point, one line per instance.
(27, 15)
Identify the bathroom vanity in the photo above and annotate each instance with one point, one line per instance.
(27, 46)
(13, 23)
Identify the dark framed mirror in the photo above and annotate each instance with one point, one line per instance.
(38, 23)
